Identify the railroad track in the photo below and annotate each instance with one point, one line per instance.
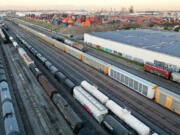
(100, 81)
(44, 118)
(88, 119)
(166, 119)
(173, 86)
(23, 121)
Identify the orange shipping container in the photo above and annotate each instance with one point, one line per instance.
(87, 23)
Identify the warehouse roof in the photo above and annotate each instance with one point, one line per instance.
(159, 41)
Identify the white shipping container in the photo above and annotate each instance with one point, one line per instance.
(96, 109)
(126, 116)
(95, 92)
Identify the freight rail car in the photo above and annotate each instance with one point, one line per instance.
(123, 114)
(108, 121)
(152, 68)
(175, 77)
(2, 36)
(70, 43)
(157, 70)
(6, 40)
(90, 104)
(168, 99)
(138, 84)
(75, 45)
(72, 118)
(61, 39)
(8, 113)
(96, 63)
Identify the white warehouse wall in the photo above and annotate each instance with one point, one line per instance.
(146, 55)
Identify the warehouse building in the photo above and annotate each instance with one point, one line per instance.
(140, 45)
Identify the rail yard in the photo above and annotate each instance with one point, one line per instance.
(52, 85)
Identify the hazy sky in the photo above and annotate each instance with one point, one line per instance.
(90, 4)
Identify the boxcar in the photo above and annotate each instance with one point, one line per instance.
(168, 99)
(74, 52)
(59, 45)
(96, 63)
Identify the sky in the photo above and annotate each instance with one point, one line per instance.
(90, 4)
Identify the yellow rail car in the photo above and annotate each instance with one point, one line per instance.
(168, 99)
